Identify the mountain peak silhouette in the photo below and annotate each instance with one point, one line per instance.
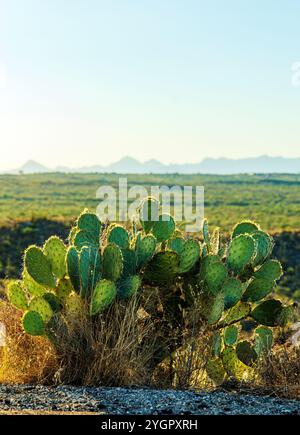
(223, 165)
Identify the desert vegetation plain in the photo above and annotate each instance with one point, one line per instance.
(281, 201)
(272, 200)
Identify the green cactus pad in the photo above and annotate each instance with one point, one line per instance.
(267, 312)
(212, 307)
(245, 227)
(63, 289)
(112, 262)
(215, 275)
(31, 285)
(148, 213)
(246, 353)
(41, 306)
(145, 249)
(129, 262)
(230, 335)
(129, 286)
(74, 306)
(55, 251)
(271, 270)
(103, 295)
(89, 269)
(263, 340)
(163, 268)
(73, 268)
(176, 244)
(189, 255)
(215, 370)
(84, 238)
(233, 365)
(216, 344)
(264, 246)
(89, 222)
(206, 236)
(33, 323)
(53, 301)
(206, 262)
(17, 296)
(241, 252)
(232, 289)
(236, 313)
(118, 235)
(257, 290)
(38, 267)
(163, 228)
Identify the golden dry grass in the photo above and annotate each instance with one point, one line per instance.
(24, 359)
(185, 367)
(118, 348)
(279, 373)
(115, 348)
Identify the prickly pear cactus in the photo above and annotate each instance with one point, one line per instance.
(145, 247)
(103, 295)
(32, 287)
(242, 250)
(245, 276)
(163, 268)
(90, 223)
(41, 306)
(73, 267)
(89, 269)
(148, 213)
(17, 296)
(39, 267)
(189, 255)
(228, 284)
(113, 263)
(55, 251)
(119, 236)
(129, 286)
(33, 323)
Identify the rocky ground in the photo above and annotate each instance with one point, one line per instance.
(39, 399)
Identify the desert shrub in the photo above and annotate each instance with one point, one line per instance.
(148, 299)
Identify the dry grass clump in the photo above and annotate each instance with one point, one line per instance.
(120, 347)
(114, 348)
(124, 346)
(184, 368)
(24, 359)
(279, 373)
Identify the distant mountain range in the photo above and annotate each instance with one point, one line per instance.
(262, 164)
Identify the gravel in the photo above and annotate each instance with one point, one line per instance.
(28, 398)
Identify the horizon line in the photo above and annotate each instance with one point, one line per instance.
(143, 162)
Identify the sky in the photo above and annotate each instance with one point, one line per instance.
(86, 82)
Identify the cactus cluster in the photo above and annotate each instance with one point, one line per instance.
(230, 283)
(236, 282)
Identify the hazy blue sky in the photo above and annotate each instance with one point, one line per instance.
(89, 81)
